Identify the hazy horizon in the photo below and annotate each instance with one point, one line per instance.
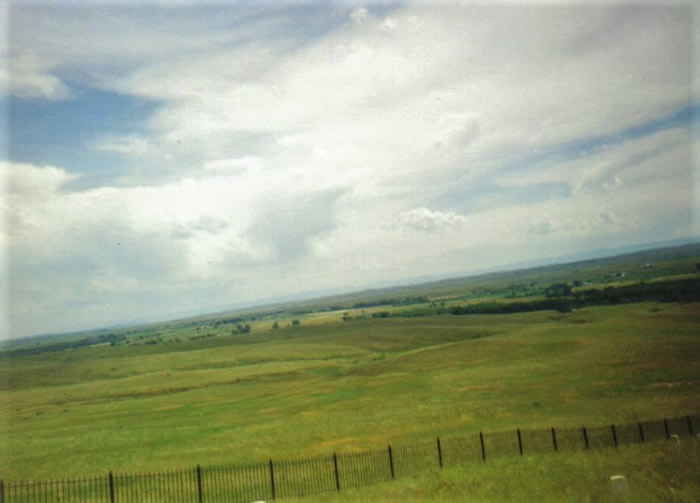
(169, 159)
(408, 282)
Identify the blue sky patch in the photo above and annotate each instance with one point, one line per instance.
(63, 133)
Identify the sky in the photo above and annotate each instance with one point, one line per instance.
(164, 159)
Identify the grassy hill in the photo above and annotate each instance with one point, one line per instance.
(209, 391)
(658, 473)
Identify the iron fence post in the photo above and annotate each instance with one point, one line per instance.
(105, 488)
(483, 447)
(200, 493)
(111, 487)
(391, 462)
(272, 480)
(337, 476)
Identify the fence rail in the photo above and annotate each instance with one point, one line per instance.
(283, 478)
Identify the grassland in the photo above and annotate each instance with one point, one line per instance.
(654, 474)
(200, 391)
(341, 386)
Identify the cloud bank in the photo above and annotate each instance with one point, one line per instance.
(280, 148)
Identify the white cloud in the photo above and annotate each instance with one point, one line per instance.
(30, 78)
(359, 15)
(389, 23)
(406, 140)
(248, 163)
(28, 182)
(286, 225)
(424, 219)
(155, 239)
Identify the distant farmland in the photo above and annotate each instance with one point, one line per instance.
(356, 372)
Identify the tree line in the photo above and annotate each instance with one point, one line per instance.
(92, 340)
(561, 298)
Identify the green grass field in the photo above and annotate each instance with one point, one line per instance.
(333, 386)
(330, 376)
(666, 472)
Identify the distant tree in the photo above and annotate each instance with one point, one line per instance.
(241, 329)
(346, 316)
(558, 290)
(275, 326)
(296, 323)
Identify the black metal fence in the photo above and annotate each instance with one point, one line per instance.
(278, 479)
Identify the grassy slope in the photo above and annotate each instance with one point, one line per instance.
(333, 386)
(666, 472)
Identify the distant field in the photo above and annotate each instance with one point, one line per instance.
(343, 386)
(213, 391)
